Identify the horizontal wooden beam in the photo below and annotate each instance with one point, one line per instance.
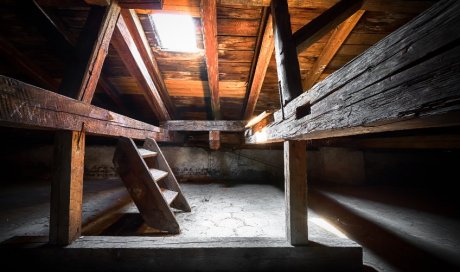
(27, 106)
(325, 22)
(130, 4)
(199, 125)
(408, 80)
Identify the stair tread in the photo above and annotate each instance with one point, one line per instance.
(145, 153)
(158, 174)
(169, 195)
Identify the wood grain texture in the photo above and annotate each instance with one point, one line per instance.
(406, 81)
(338, 37)
(209, 22)
(285, 53)
(328, 20)
(295, 184)
(214, 140)
(32, 107)
(198, 125)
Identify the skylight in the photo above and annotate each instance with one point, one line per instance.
(176, 32)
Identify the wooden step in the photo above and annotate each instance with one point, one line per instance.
(157, 174)
(169, 195)
(145, 153)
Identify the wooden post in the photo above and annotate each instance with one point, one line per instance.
(295, 182)
(287, 64)
(214, 139)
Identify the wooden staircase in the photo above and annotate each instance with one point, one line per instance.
(151, 183)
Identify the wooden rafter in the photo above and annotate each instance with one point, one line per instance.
(209, 22)
(131, 57)
(325, 22)
(338, 37)
(263, 60)
(130, 4)
(201, 125)
(137, 33)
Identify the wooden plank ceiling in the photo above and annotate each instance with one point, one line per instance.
(27, 47)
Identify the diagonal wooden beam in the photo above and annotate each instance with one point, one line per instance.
(209, 22)
(325, 22)
(338, 37)
(131, 57)
(137, 33)
(266, 51)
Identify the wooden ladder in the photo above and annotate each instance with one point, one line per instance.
(151, 183)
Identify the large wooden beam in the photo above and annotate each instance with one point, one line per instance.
(27, 106)
(209, 22)
(408, 80)
(338, 37)
(263, 60)
(287, 63)
(295, 186)
(131, 57)
(325, 22)
(199, 125)
(130, 4)
(137, 33)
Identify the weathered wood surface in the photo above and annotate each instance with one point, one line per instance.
(144, 190)
(24, 105)
(209, 22)
(338, 37)
(328, 20)
(199, 125)
(149, 253)
(406, 81)
(295, 187)
(132, 58)
(287, 64)
(214, 140)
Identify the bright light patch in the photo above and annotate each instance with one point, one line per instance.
(261, 136)
(176, 32)
(320, 222)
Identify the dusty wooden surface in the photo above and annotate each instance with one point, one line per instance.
(200, 125)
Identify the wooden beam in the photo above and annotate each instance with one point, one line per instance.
(209, 22)
(408, 80)
(295, 184)
(17, 58)
(287, 63)
(131, 57)
(27, 106)
(325, 22)
(263, 60)
(338, 37)
(214, 140)
(137, 33)
(141, 4)
(101, 3)
(199, 125)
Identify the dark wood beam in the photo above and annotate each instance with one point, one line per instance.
(287, 63)
(130, 4)
(263, 60)
(338, 37)
(124, 43)
(214, 140)
(101, 3)
(406, 81)
(27, 106)
(209, 22)
(295, 184)
(325, 22)
(199, 125)
(137, 33)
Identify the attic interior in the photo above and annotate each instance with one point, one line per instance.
(230, 135)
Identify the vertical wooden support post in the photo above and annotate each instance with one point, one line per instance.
(67, 187)
(295, 182)
(287, 64)
(214, 139)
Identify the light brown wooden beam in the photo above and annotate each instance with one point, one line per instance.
(124, 43)
(137, 33)
(408, 80)
(263, 60)
(27, 106)
(287, 63)
(325, 22)
(209, 22)
(200, 125)
(295, 184)
(338, 37)
(214, 140)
